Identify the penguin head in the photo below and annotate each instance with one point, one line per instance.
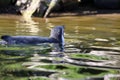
(58, 33)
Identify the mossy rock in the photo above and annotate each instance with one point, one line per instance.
(88, 57)
(71, 71)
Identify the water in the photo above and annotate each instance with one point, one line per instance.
(100, 33)
(94, 30)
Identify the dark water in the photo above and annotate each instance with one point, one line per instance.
(99, 32)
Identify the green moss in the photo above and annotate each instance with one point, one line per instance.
(88, 56)
(72, 71)
(23, 78)
(11, 68)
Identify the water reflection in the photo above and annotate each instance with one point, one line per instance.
(27, 25)
(48, 23)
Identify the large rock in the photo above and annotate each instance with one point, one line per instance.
(111, 4)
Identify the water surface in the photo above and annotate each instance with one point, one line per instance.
(98, 32)
(86, 28)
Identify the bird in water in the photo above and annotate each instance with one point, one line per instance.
(56, 37)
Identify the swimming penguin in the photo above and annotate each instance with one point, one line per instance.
(56, 36)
